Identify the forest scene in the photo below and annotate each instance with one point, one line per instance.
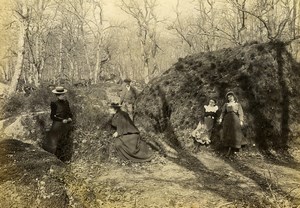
(64, 68)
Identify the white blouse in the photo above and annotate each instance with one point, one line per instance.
(211, 108)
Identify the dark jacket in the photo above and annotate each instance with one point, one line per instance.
(60, 110)
(124, 125)
(128, 96)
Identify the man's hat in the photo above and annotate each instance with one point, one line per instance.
(127, 80)
(59, 90)
(115, 105)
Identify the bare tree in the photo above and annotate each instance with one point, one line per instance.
(22, 16)
(144, 14)
(272, 15)
(183, 28)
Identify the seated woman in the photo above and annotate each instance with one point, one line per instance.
(203, 131)
(128, 143)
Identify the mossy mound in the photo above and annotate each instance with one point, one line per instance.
(264, 77)
(30, 177)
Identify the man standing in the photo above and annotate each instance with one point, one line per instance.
(128, 97)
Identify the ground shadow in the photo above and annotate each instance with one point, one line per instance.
(212, 181)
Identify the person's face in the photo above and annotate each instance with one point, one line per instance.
(61, 97)
(230, 98)
(112, 111)
(212, 103)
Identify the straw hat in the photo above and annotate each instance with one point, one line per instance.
(231, 93)
(59, 90)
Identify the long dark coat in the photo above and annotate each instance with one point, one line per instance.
(57, 140)
(128, 144)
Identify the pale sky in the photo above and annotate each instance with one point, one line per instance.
(165, 8)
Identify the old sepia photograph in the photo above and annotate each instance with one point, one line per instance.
(150, 103)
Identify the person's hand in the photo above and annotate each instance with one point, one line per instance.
(219, 121)
(242, 123)
(69, 119)
(65, 120)
(115, 134)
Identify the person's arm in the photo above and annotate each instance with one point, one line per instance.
(115, 124)
(241, 113)
(222, 113)
(204, 113)
(122, 96)
(69, 112)
(134, 91)
(53, 112)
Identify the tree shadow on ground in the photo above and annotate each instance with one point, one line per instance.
(212, 181)
(229, 187)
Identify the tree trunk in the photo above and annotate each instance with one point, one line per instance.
(78, 71)
(21, 50)
(146, 71)
(37, 69)
(59, 70)
(6, 71)
(145, 61)
(72, 69)
(88, 62)
(97, 66)
(295, 28)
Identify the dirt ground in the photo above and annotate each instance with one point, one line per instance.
(203, 179)
(179, 178)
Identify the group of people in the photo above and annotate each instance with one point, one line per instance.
(232, 120)
(128, 143)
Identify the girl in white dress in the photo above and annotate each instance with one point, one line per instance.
(203, 131)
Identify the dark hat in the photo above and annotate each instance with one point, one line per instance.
(127, 80)
(59, 90)
(213, 99)
(115, 105)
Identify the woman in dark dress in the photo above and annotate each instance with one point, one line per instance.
(128, 143)
(232, 117)
(57, 140)
(210, 114)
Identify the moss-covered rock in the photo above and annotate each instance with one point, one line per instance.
(264, 77)
(30, 177)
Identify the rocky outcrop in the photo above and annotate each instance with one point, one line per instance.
(30, 177)
(264, 77)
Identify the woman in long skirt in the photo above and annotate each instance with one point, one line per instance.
(232, 117)
(128, 143)
(57, 140)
